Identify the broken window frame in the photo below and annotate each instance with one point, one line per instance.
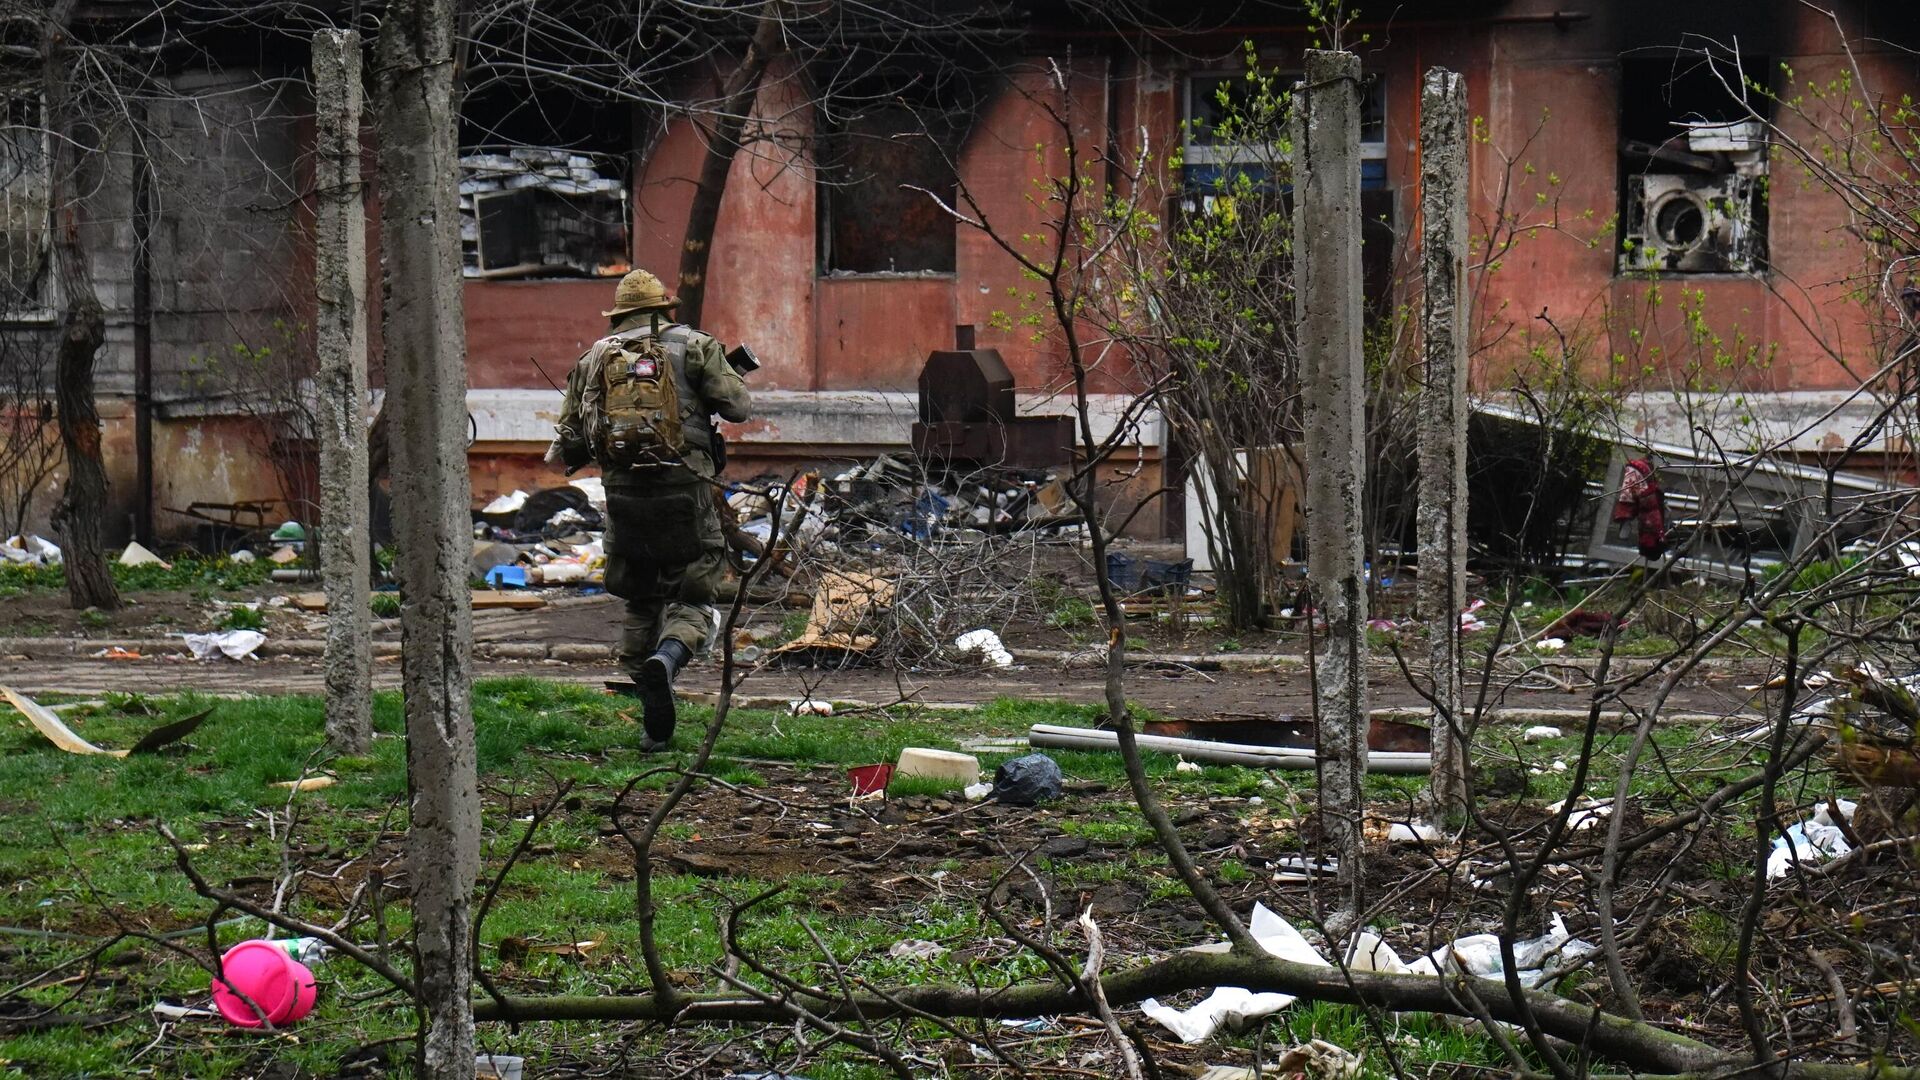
(611, 189)
(43, 303)
(1719, 189)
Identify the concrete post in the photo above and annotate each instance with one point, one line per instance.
(340, 282)
(1327, 299)
(425, 342)
(1443, 421)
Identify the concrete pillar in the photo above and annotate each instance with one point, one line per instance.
(1327, 299)
(1442, 522)
(425, 344)
(340, 282)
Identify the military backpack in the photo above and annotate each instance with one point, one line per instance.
(640, 416)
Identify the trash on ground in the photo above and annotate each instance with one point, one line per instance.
(49, 724)
(1539, 960)
(116, 652)
(844, 604)
(1412, 832)
(507, 577)
(1550, 644)
(1221, 753)
(1315, 1060)
(499, 1067)
(1582, 622)
(281, 987)
(1540, 733)
(960, 769)
(32, 550)
(1234, 1006)
(307, 783)
(986, 645)
(916, 949)
(284, 556)
(507, 504)
(1185, 766)
(1028, 780)
(233, 644)
(809, 707)
(1813, 841)
(868, 779)
(1587, 813)
(137, 555)
(1470, 622)
(976, 792)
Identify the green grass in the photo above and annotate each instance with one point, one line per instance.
(83, 840)
(187, 573)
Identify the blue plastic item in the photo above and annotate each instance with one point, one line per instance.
(507, 576)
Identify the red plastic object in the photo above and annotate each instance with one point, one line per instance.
(281, 986)
(868, 779)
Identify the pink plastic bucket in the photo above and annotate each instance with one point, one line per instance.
(281, 986)
(868, 779)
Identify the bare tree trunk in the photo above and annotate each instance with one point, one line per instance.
(78, 515)
(1443, 422)
(340, 277)
(1333, 373)
(426, 388)
(736, 101)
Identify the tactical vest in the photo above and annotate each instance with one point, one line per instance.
(643, 385)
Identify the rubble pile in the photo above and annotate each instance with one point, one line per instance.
(890, 499)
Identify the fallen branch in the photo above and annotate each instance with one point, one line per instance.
(1638, 1046)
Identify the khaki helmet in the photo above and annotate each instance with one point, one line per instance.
(639, 291)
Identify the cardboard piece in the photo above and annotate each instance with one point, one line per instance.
(843, 603)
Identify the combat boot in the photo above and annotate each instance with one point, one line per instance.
(657, 672)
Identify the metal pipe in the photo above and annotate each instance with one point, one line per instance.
(1223, 753)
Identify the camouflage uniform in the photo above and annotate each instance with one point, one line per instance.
(665, 553)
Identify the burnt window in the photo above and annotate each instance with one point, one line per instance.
(1693, 164)
(889, 138)
(24, 212)
(543, 183)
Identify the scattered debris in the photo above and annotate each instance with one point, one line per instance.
(916, 949)
(137, 555)
(1581, 622)
(1315, 1060)
(961, 769)
(1815, 840)
(809, 707)
(976, 792)
(307, 783)
(273, 983)
(284, 556)
(519, 948)
(1539, 960)
(233, 644)
(869, 779)
(499, 1067)
(505, 505)
(1540, 733)
(986, 645)
(1028, 780)
(32, 550)
(507, 577)
(1222, 753)
(844, 604)
(1587, 813)
(1412, 832)
(49, 724)
(1233, 1006)
(1185, 766)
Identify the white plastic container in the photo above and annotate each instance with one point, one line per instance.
(499, 1067)
(963, 770)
